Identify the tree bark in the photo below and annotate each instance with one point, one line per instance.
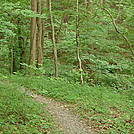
(21, 45)
(53, 41)
(44, 5)
(11, 56)
(39, 36)
(32, 59)
(77, 40)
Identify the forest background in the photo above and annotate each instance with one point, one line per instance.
(84, 42)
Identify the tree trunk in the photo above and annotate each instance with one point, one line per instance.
(32, 59)
(39, 36)
(77, 40)
(44, 5)
(11, 56)
(53, 41)
(21, 43)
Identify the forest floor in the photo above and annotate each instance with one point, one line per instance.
(68, 121)
(19, 114)
(78, 108)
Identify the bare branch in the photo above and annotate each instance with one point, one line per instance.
(118, 31)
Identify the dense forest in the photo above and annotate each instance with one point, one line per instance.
(79, 52)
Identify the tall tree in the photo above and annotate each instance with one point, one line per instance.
(32, 59)
(77, 40)
(11, 57)
(43, 5)
(53, 41)
(39, 36)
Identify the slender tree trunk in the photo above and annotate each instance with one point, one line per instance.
(19, 41)
(11, 56)
(21, 45)
(53, 41)
(44, 5)
(22, 53)
(39, 36)
(77, 39)
(42, 38)
(32, 59)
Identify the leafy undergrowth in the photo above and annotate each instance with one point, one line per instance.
(107, 110)
(20, 115)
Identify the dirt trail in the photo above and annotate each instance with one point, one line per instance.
(69, 123)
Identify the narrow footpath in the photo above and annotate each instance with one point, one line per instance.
(68, 122)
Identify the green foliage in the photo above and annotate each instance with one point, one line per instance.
(106, 58)
(107, 61)
(19, 114)
(109, 111)
(12, 34)
(31, 69)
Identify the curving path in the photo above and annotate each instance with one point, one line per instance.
(69, 123)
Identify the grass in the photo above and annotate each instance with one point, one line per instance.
(109, 111)
(19, 114)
